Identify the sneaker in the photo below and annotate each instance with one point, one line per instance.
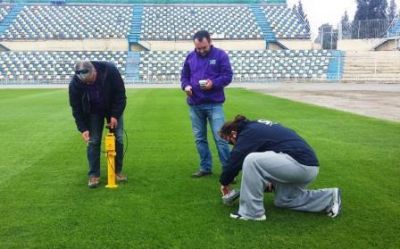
(121, 178)
(93, 182)
(337, 204)
(229, 198)
(200, 173)
(237, 216)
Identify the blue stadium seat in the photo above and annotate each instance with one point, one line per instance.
(70, 22)
(51, 66)
(181, 22)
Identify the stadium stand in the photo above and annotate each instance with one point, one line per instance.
(10, 12)
(181, 22)
(161, 1)
(4, 9)
(51, 66)
(165, 66)
(70, 22)
(285, 22)
(270, 21)
(247, 65)
(155, 22)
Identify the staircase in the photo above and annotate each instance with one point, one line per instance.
(336, 65)
(394, 30)
(371, 66)
(7, 21)
(136, 26)
(132, 66)
(268, 33)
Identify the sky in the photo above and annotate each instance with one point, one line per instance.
(328, 11)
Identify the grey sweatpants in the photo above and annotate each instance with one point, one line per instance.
(289, 179)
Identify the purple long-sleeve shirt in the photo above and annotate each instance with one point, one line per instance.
(214, 66)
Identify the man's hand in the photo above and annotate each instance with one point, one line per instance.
(188, 91)
(113, 123)
(225, 189)
(85, 136)
(208, 85)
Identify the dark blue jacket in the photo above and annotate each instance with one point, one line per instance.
(261, 136)
(113, 90)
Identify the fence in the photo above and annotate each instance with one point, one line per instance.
(365, 29)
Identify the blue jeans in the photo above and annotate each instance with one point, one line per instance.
(93, 149)
(199, 114)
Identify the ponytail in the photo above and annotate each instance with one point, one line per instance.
(230, 126)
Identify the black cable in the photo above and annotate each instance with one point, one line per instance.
(126, 147)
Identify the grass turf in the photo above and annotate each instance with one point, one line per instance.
(44, 201)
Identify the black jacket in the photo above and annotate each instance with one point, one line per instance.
(113, 89)
(261, 136)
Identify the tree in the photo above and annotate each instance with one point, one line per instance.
(392, 10)
(303, 15)
(371, 9)
(362, 10)
(370, 19)
(377, 9)
(346, 26)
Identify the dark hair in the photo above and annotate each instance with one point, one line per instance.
(200, 35)
(233, 125)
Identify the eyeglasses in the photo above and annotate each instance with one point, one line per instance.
(83, 71)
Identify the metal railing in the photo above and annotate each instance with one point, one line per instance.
(365, 29)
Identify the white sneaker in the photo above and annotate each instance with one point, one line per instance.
(337, 203)
(229, 198)
(237, 216)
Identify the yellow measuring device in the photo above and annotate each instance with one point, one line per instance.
(110, 155)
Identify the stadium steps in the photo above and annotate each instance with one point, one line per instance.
(132, 66)
(262, 22)
(8, 20)
(394, 30)
(136, 27)
(335, 66)
(371, 66)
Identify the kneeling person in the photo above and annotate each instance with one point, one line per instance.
(273, 154)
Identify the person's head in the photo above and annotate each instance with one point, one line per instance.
(86, 72)
(229, 130)
(202, 42)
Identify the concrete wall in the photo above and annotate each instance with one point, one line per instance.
(68, 45)
(358, 44)
(389, 45)
(297, 44)
(122, 45)
(188, 45)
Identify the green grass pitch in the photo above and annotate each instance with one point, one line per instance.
(45, 203)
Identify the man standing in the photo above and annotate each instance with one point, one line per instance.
(205, 73)
(97, 92)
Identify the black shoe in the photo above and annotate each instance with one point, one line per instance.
(201, 174)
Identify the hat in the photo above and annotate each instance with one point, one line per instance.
(84, 70)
